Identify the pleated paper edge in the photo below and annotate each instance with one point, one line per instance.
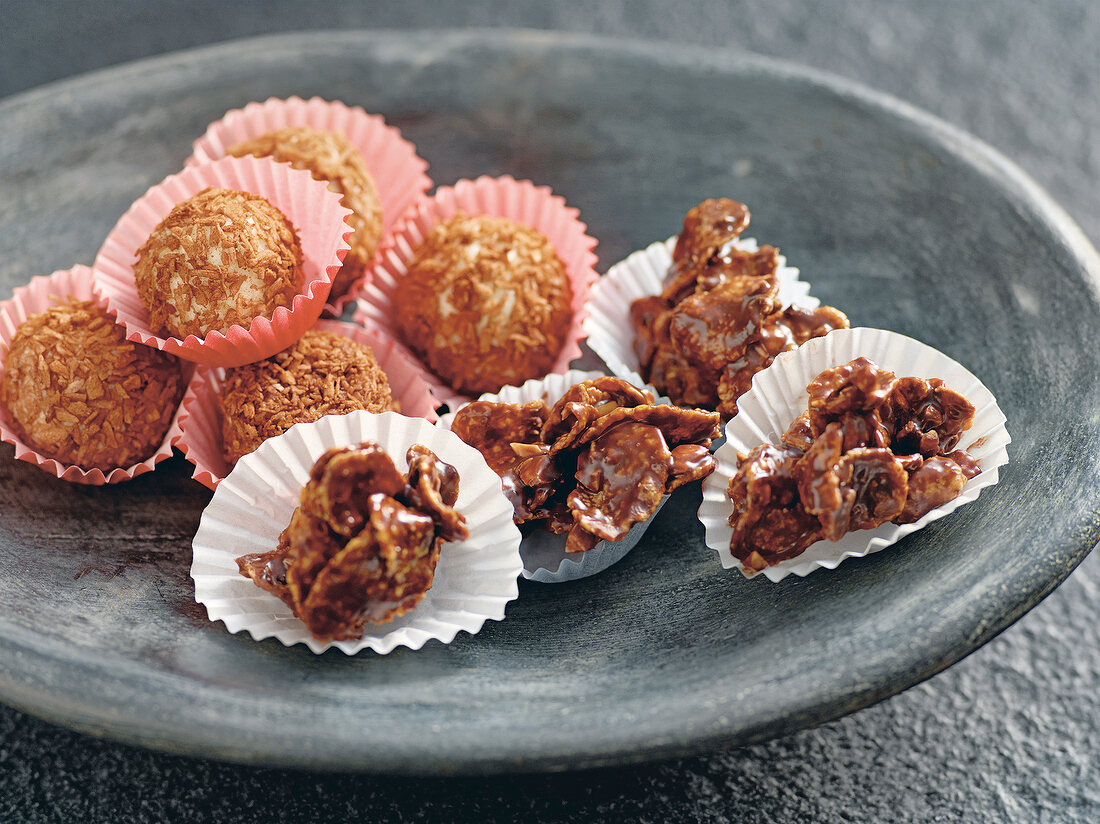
(522, 201)
(399, 173)
(572, 566)
(200, 423)
(295, 193)
(42, 292)
(770, 406)
(258, 503)
(642, 274)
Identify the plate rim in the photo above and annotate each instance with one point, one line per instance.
(45, 696)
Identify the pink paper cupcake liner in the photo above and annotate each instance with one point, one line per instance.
(399, 173)
(34, 298)
(314, 211)
(200, 424)
(517, 200)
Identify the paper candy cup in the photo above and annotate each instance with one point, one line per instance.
(399, 173)
(200, 420)
(520, 201)
(608, 326)
(314, 211)
(474, 579)
(778, 395)
(543, 552)
(34, 298)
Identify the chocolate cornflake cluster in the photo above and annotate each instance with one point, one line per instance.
(870, 448)
(363, 543)
(596, 463)
(719, 320)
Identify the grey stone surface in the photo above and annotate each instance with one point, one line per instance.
(1008, 734)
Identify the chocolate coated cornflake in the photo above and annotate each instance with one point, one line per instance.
(869, 449)
(364, 541)
(718, 320)
(601, 461)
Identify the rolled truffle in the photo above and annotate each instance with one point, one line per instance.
(322, 374)
(74, 389)
(330, 157)
(220, 258)
(486, 302)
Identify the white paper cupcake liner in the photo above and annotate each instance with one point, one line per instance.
(199, 435)
(518, 200)
(399, 173)
(34, 298)
(543, 552)
(474, 579)
(608, 325)
(778, 395)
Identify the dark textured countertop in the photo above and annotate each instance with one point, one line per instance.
(1012, 733)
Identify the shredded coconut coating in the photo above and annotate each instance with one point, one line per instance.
(220, 258)
(330, 157)
(76, 390)
(486, 302)
(322, 374)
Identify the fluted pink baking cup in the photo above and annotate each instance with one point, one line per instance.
(778, 395)
(518, 200)
(33, 299)
(608, 326)
(399, 173)
(316, 214)
(200, 421)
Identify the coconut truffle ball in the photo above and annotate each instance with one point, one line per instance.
(220, 258)
(330, 157)
(76, 390)
(486, 302)
(322, 374)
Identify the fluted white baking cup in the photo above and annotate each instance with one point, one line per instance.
(199, 435)
(474, 579)
(543, 552)
(400, 174)
(608, 325)
(36, 297)
(315, 213)
(778, 395)
(518, 200)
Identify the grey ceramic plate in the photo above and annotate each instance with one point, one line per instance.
(893, 216)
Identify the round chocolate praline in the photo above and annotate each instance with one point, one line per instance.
(220, 258)
(74, 389)
(322, 374)
(329, 156)
(485, 302)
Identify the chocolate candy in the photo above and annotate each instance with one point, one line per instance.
(868, 450)
(596, 463)
(362, 545)
(719, 319)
